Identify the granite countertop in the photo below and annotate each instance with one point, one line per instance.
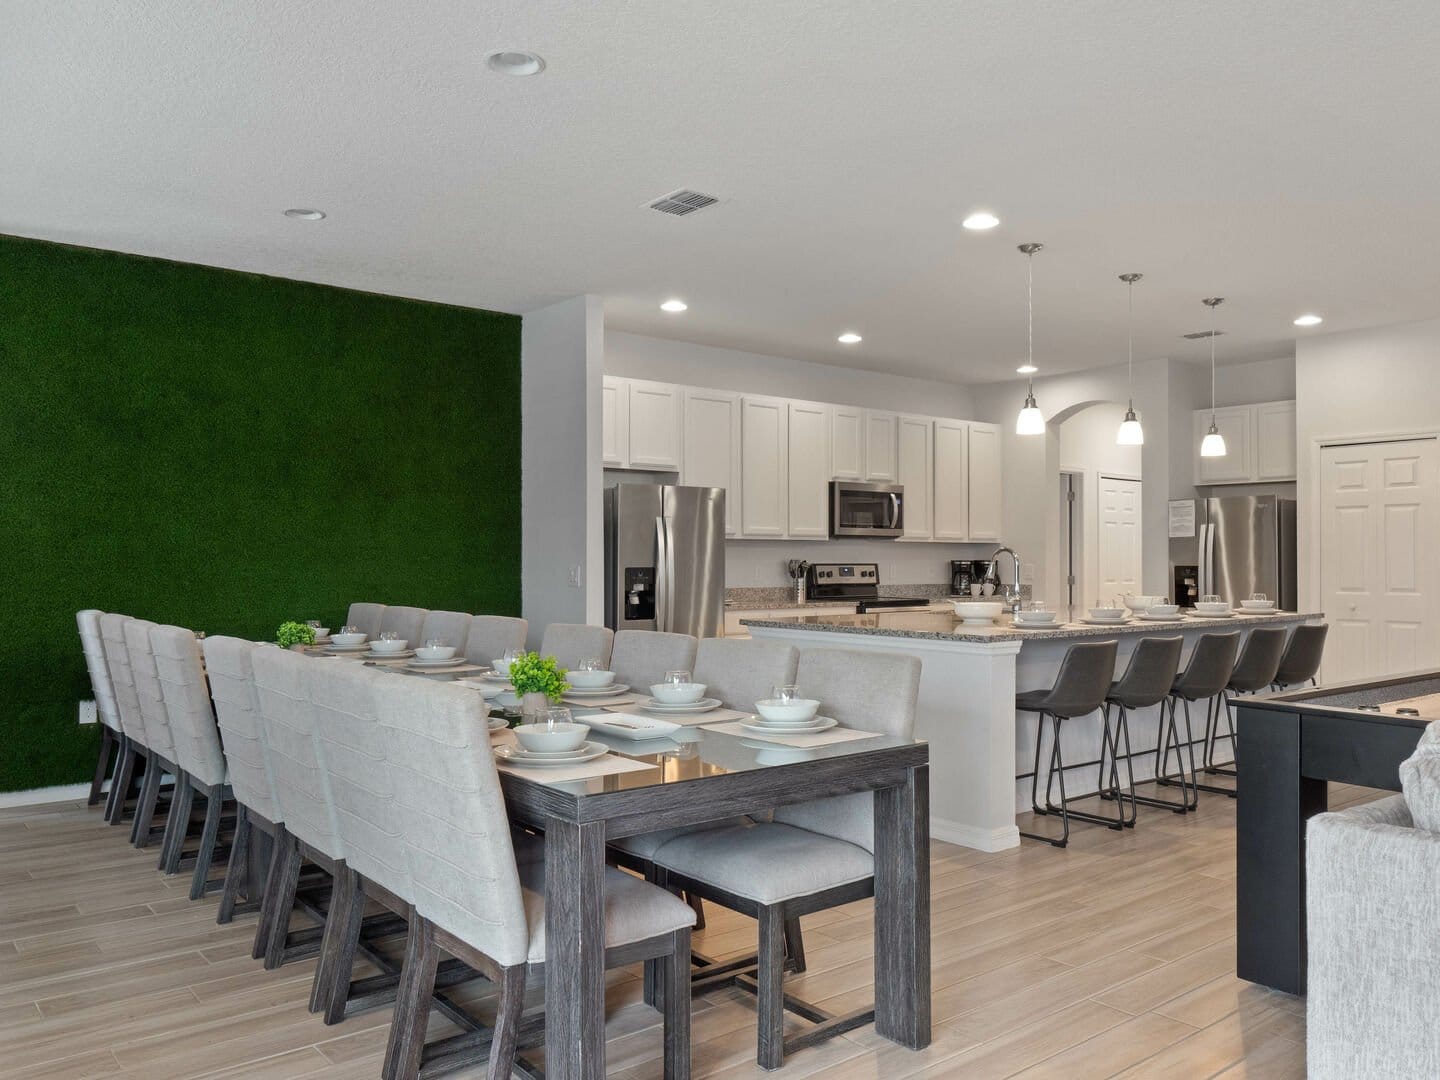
(943, 626)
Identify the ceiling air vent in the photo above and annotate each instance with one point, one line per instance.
(1201, 335)
(682, 202)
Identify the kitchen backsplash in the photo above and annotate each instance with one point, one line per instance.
(742, 596)
(761, 563)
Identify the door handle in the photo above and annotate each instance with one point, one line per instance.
(894, 522)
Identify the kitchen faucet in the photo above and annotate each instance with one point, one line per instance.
(1012, 591)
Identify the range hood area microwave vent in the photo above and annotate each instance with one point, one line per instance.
(1201, 335)
(682, 202)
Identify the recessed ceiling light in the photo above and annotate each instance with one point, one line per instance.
(980, 221)
(1309, 320)
(301, 213)
(515, 62)
(849, 338)
(674, 305)
(1026, 369)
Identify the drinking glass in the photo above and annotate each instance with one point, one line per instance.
(677, 678)
(786, 694)
(435, 643)
(1259, 597)
(1038, 606)
(590, 664)
(1211, 598)
(556, 714)
(511, 655)
(314, 624)
(348, 629)
(389, 635)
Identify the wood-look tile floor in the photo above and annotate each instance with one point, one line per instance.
(1114, 957)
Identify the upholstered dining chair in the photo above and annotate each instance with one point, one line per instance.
(451, 627)
(814, 855)
(569, 643)
(135, 753)
(1300, 663)
(366, 617)
(406, 622)
(1204, 679)
(160, 741)
(1255, 670)
(491, 635)
(470, 900)
(112, 730)
(197, 752)
(642, 657)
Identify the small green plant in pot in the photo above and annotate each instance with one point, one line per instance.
(291, 634)
(538, 680)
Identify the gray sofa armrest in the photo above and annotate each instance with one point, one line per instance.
(1373, 920)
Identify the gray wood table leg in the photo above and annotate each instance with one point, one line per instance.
(902, 911)
(574, 950)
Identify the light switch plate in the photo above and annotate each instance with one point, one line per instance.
(575, 577)
(88, 713)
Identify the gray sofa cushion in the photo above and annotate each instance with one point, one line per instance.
(1420, 780)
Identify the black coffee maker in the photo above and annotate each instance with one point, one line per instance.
(967, 572)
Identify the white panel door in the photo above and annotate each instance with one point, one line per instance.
(986, 482)
(1118, 541)
(654, 425)
(1378, 510)
(711, 432)
(809, 486)
(1237, 424)
(847, 442)
(614, 416)
(880, 446)
(952, 480)
(916, 471)
(764, 466)
(1275, 441)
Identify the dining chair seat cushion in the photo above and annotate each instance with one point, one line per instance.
(1031, 700)
(634, 909)
(645, 845)
(766, 862)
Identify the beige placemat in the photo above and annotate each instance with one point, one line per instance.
(609, 765)
(819, 738)
(714, 716)
(599, 703)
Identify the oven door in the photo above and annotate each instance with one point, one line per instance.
(866, 509)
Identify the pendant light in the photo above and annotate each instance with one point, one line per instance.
(1031, 420)
(1131, 433)
(1213, 445)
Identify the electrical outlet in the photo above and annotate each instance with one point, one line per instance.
(575, 577)
(88, 713)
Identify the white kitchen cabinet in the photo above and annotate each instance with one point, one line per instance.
(847, 443)
(952, 481)
(614, 421)
(1236, 423)
(1275, 441)
(764, 466)
(654, 426)
(710, 430)
(986, 482)
(808, 515)
(881, 442)
(915, 460)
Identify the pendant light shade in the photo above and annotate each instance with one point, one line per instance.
(1131, 433)
(1031, 420)
(1213, 445)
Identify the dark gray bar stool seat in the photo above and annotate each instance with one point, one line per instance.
(1303, 653)
(1079, 689)
(1147, 682)
(1204, 679)
(1254, 671)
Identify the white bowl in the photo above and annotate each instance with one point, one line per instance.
(978, 611)
(1163, 609)
(1212, 609)
(434, 652)
(347, 639)
(543, 739)
(1258, 605)
(380, 646)
(1103, 614)
(1035, 617)
(800, 709)
(1142, 603)
(589, 680)
(321, 631)
(678, 693)
(502, 667)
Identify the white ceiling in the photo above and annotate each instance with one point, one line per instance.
(1281, 154)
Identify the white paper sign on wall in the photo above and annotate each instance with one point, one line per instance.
(1182, 517)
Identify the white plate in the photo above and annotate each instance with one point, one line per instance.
(822, 723)
(815, 723)
(454, 661)
(613, 690)
(402, 654)
(631, 726)
(496, 677)
(1158, 618)
(1021, 624)
(514, 755)
(498, 723)
(1104, 622)
(362, 647)
(1221, 615)
(649, 704)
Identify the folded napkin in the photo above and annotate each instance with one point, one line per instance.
(714, 716)
(819, 738)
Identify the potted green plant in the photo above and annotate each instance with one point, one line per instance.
(538, 680)
(292, 634)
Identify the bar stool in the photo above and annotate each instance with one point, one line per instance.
(1254, 671)
(1303, 653)
(1079, 689)
(1204, 679)
(1146, 682)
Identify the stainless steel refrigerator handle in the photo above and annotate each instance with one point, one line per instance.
(1207, 555)
(670, 580)
(662, 577)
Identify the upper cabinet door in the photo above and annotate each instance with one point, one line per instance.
(951, 481)
(654, 424)
(809, 454)
(712, 447)
(917, 468)
(986, 482)
(764, 466)
(1275, 441)
(1236, 424)
(880, 446)
(614, 413)
(847, 442)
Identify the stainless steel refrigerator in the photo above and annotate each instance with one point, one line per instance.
(665, 558)
(1247, 545)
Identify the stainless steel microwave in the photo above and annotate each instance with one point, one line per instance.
(859, 509)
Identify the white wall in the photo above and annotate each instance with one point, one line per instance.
(1088, 447)
(562, 523)
(1259, 380)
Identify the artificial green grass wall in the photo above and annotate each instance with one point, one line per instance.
(225, 451)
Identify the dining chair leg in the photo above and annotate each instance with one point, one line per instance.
(677, 1007)
(508, 1010)
(149, 796)
(770, 996)
(120, 782)
(794, 946)
(337, 947)
(177, 825)
(102, 766)
(698, 906)
(1123, 731)
(406, 1047)
(282, 899)
(238, 867)
(1035, 772)
(210, 833)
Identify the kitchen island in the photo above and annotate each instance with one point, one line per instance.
(966, 707)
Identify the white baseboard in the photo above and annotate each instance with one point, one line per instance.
(38, 796)
(952, 832)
